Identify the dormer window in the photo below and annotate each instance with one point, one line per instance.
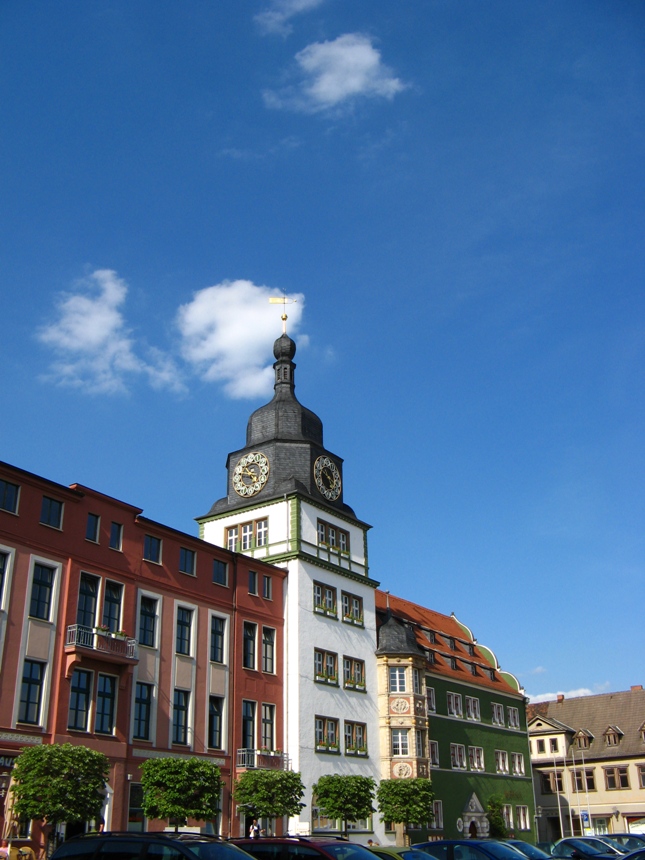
(641, 732)
(582, 740)
(612, 736)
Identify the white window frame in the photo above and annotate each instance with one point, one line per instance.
(501, 761)
(433, 753)
(436, 822)
(498, 714)
(458, 756)
(431, 699)
(400, 746)
(472, 708)
(396, 679)
(513, 718)
(523, 821)
(476, 758)
(518, 764)
(454, 704)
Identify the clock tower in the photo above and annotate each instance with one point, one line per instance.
(285, 505)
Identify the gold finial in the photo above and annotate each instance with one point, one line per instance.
(283, 301)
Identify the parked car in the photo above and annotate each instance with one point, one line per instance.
(631, 841)
(393, 852)
(133, 846)
(583, 848)
(469, 849)
(297, 847)
(527, 849)
(639, 854)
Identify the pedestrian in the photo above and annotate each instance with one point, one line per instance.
(4, 850)
(254, 830)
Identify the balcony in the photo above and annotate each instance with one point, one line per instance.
(105, 646)
(261, 760)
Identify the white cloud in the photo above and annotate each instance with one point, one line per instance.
(276, 18)
(571, 694)
(228, 331)
(335, 74)
(95, 350)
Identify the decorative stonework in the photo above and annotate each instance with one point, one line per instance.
(400, 706)
(402, 770)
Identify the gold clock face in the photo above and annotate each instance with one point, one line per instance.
(327, 478)
(250, 474)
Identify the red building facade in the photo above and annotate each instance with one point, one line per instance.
(134, 639)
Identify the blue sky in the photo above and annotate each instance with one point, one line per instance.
(453, 191)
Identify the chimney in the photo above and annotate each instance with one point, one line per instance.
(635, 688)
(560, 698)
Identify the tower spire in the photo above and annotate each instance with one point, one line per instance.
(284, 301)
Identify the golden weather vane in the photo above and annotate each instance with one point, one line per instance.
(284, 301)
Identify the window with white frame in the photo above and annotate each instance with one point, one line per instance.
(261, 532)
(433, 750)
(431, 702)
(518, 764)
(419, 740)
(501, 761)
(352, 608)
(9, 496)
(267, 587)
(397, 679)
(353, 673)
(187, 559)
(436, 822)
(42, 589)
(326, 734)
(51, 513)
(553, 745)
(472, 708)
(523, 821)
(247, 536)
(80, 696)
(183, 637)
(325, 666)
(105, 704)
(498, 714)
(454, 704)
(476, 758)
(324, 599)
(513, 718)
(268, 727)
(152, 549)
(148, 609)
(540, 745)
(355, 738)
(416, 681)
(31, 692)
(507, 812)
(458, 756)
(332, 536)
(400, 742)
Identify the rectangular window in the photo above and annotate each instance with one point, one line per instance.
(540, 745)
(641, 777)
(116, 536)
(324, 599)
(218, 628)
(268, 727)
(152, 549)
(261, 532)
(476, 758)
(501, 761)
(248, 652)
(472, 708)
(355, 738)
(142, 711)
(352, 608)
(80, 691)
(9, 496)
(553, 745)
(184, 630)
(419, 742)
(523, 821)
(458, 756)
(431, 702)
(454, 704)
(267, 587)
(4, 563)
(397, 679)
(248, 725)
(87, 597)
(518, 764)
(325, 666)
(51, 512)
(220, 572)
(231, 539)
(112, 606)
(498, 714)
(41, 592)
(31, 692)
(433, 749)
(253, 582)
(551, 782)
(268, 649)
(147, 621)
(92, 528)
(353, 673)
(616, 778)
(436, 822)
(187, 561)
(326, 734)
(400, 742)
(105, 704)
(513, 718)
(584, 780)
(181, 701)
(247, 537)
(416, 681)
(215, 714)
(333, 537)
(507, 812)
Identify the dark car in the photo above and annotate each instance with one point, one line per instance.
(469, 849)
(112, 845)
(292, 847)
(527, 849)
(639, 854)
(584, 848)
(392, 852)
(630, 841)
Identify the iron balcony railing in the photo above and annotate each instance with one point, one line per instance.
(262, 759)
(106, 643)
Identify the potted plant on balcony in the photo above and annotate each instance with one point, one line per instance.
(102, 629)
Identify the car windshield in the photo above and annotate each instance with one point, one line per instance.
(347, 851)
(500, 851)
(589, 847)
(530, 850)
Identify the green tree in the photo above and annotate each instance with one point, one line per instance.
(404, 802)
(59, 782)
(495, 815)
(269, 793)
(348, 798)
(179, 789)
